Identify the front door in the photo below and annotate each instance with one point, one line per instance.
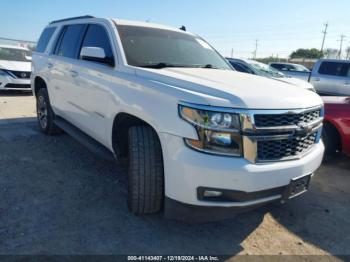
(92, 84)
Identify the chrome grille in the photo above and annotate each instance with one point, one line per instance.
(280, 135)
(19, 74)
(285, 148)
(264, 120)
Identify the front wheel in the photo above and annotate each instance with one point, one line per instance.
(45, 114)
(146, 173)
(331, 140)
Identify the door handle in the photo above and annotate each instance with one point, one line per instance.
(74, 73)
(347, 83)
(49, 65)
(316, 79)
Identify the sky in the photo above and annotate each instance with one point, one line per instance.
(281, 26)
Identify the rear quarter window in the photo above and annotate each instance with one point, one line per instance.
(45, 39)
(335, 69)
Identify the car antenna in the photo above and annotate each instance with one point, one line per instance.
(183, 28)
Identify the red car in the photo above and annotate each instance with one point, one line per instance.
(336, 132)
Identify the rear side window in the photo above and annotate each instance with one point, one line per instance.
(335, 69)
(96, 36)
(70, 40)
(44, 39)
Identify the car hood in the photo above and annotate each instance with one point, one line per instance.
(345, 100)
(295, 82)
(234, 89)
(15, 65)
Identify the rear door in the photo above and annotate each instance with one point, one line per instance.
(332, 77)
(65, 53)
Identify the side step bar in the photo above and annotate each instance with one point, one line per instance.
(91, 144)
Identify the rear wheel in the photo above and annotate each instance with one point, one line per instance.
(45, 113)
(146, 174)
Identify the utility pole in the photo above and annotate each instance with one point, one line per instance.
(232, 53)
(324, 35)
(342, 37)
(256, 48)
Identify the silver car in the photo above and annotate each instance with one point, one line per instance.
(293, 70)
(331, 77)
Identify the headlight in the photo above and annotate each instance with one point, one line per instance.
(218, 132)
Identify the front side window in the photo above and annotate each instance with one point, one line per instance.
(70, 41)
(238, 67)
(44, 39)
(279, 66)
(96, 36)
(157, 48)
(335, 69)
(14, 54)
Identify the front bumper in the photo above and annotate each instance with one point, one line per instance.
(187, 170)
(10, 83)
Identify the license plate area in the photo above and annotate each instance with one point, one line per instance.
(297, 187)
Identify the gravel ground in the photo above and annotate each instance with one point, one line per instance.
(16, 106)
(57, 198)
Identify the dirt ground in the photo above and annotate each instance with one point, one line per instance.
(57, 198)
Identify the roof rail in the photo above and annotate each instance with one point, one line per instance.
(72, 18)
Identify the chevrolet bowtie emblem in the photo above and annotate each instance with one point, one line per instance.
(303, 129)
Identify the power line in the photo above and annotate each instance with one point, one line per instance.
(342, 38)
(324, 35)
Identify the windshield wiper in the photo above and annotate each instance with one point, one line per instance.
(210, 66)
(161, 65)
(165, 65)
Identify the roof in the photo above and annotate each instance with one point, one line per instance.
(71, 18)
(335, 60)
(14, 47)
(283, 63)
(118, 22)
(149, 25)
(248, 61)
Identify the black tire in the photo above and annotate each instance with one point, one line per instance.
(45, 114)
(146, 173)
(330, 139)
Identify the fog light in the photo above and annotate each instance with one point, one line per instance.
(210, 193)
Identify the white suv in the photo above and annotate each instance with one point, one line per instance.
(202, 140)
(15, 64)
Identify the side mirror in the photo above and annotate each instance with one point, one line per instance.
(96, 54)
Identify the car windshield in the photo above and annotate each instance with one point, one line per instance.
(266, 70)
(160, 48)
(13, 54)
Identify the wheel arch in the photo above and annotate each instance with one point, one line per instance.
(121, 124)
(328, 124)
(39, 83)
